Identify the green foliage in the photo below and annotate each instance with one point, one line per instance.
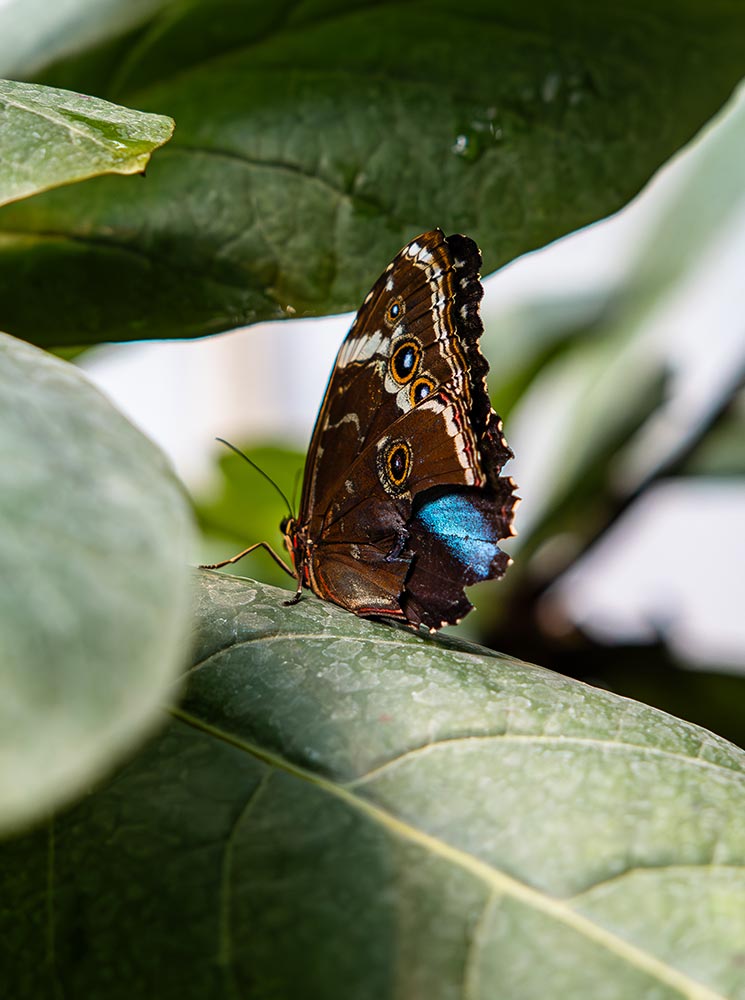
(53, 137)
(339, 808)
(722, 452)
(582, 350)
(344, 809)
(245, 508)
(314, 140)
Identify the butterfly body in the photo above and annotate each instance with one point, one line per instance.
(402, 503)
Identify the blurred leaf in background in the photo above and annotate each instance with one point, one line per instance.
(314, 140)
(721, 452)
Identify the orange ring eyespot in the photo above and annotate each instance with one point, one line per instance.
(394, 312)
(405, 361)
(393, 460)
(422, 388)
(398, 462)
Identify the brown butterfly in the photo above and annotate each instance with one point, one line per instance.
(403, 503)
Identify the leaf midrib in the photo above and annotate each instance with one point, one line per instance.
(57, 120)
(497, 881)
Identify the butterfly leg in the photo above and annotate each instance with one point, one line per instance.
(258, 545)
(402, 538)
(296, 598)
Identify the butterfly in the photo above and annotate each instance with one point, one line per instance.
(403, 504)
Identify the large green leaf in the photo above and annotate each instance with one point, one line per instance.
(94, 528)
(50, 137)
(342, 809)
(314, 140)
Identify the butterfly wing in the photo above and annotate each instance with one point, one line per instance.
(402, 500)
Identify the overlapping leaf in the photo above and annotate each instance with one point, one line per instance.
(50, 137)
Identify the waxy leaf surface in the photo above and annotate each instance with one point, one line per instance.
(344, 809)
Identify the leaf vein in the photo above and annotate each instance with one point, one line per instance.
(305, 637)
(539, 739)
(60, 121)
(621, 876)
(225, 942)
(470, 974)
(282, 166)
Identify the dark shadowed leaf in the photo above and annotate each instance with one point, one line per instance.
(50, 137)
(314, 140)
(94, 602)
(342, 809)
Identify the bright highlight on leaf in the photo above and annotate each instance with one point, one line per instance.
(50, 137)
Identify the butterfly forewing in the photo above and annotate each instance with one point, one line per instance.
(403, 318)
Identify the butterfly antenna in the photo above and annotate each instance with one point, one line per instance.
(298, 473)
(259, 470)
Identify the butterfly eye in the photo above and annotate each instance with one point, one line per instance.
(420, 390)
(405, 361)
(394, 311)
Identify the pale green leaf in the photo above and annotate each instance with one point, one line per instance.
(50, 137)
(94, 530)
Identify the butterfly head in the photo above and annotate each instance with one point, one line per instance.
(296, 541)
(289, 528)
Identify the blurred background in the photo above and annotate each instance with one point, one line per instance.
(617, 352)
(622, 394)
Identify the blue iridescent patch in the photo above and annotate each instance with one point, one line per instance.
(462, 528)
